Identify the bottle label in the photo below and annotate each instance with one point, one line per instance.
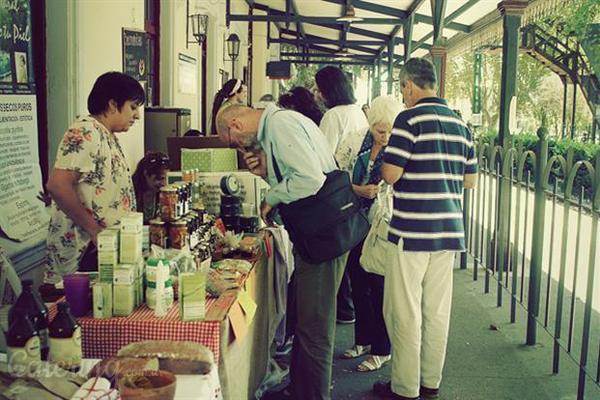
(20, 359)
(66, 351)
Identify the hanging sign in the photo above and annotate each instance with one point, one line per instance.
(135, 52)
(22, 215)
(16, 67)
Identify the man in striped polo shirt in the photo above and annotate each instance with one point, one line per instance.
(429, 159)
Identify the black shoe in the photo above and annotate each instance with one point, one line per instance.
(427, 393)
(283, 394)
(384, 390)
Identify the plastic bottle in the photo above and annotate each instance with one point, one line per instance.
(65, 339)
(30, 303)
(22, 344)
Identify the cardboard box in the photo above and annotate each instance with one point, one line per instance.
(103, 300)
(192, 296)
(124, 275)
(106, 273)
(108, 240)
(130, 249)
(110, 257)
(123, 300)
(209, 160)
(132, 222)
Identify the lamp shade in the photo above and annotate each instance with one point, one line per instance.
(233, 46)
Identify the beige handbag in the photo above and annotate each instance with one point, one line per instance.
(377, 251)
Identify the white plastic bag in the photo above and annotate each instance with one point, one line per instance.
(377, 251)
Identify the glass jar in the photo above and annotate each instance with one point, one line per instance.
(168, 203)
(158, 233)
(178, 233)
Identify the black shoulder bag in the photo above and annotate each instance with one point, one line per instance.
(327, 224)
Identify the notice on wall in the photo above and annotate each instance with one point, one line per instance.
(22, 215)
(188, 72)
(16, 64)
(135, 54)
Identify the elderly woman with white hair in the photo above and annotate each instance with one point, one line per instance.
(361, 154)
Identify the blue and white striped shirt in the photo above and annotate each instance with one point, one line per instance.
(435, 149)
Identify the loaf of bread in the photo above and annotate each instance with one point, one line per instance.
(110, 368)
(178, 357)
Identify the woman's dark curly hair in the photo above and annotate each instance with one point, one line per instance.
(302, 100)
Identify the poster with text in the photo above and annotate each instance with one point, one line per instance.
(16, 64)
(22, 214)
(135, 54)
(188, 71)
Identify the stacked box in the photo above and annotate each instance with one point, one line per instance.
(108, 249)
(103, 302)
(106, 273)
(209, 160)
(192, 295)
(132, 222)
(130, 249)
(123, 300)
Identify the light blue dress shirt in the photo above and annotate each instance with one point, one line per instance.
(301, 151)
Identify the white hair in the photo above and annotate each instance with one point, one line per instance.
(384, 109)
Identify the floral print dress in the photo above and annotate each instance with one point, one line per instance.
(104, 188)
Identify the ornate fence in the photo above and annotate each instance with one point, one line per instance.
(532, 230)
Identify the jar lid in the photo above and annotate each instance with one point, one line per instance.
(168, 189)
(179, 222)
(157, 221)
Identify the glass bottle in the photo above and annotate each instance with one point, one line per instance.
(65, 339)
(22, 344)
(30, 303)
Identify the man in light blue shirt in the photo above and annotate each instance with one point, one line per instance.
(302, 156)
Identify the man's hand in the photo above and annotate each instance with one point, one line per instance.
(257, 164)
(265, 210)
(367, 191)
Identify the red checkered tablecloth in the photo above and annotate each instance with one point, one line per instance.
(102, 338)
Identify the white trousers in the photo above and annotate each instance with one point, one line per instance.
(416, 308)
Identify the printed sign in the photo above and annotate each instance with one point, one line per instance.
(135, 54)
(22, 215)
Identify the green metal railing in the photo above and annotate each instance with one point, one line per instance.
(532, 227)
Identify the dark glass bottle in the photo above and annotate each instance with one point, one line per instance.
(65, 339)
(30, 303)
(22, 344)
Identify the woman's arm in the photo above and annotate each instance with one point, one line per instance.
(62, 186)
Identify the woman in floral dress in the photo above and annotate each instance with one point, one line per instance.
(91, 185)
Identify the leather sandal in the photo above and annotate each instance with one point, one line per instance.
(372, 363)
(356, 351)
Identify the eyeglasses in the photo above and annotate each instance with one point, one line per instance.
(159, 158)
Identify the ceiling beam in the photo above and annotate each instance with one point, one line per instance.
(309, 54)
(455, 26)
(457, 13)
(330, 62)
(273, 17)
(363, 5)
(322, 40)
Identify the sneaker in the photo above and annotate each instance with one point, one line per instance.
(427, 393)
(345, 321)
(383, 389)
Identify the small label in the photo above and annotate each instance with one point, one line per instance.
(66, 351)
(21, 358)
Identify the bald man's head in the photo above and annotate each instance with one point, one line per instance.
(237, 125)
